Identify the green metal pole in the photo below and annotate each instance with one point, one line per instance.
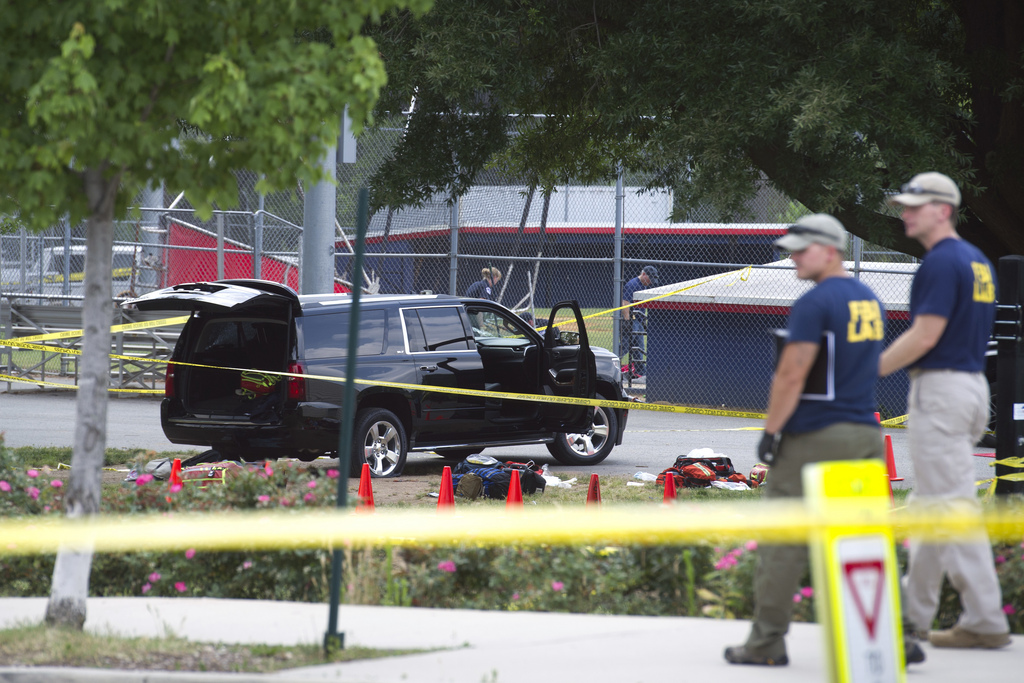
(332, 639)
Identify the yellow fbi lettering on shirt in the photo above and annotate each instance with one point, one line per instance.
(984, 288)
(865, 322)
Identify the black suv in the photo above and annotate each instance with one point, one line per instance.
(440, 340)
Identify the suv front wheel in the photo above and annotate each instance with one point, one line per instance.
(379, 439)
(590, 447)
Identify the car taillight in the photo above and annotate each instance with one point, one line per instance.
(296, 385)
(169, 381)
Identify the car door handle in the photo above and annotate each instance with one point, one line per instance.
(428, 368)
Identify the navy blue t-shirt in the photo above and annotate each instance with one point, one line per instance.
(482, 289)
(957, 282)
(845, 317)
(628, 290)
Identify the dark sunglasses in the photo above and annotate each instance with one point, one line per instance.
(915, 188)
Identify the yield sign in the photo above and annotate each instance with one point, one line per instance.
(866, 582)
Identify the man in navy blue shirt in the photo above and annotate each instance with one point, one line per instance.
(634, 321)
(827, 414)
(952, 306)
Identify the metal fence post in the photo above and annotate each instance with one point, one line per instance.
(453, 254)
(617, 267)
(257, 241)
(332, 638)
(220, 245)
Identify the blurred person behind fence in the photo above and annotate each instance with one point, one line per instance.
(486, 286)
(634, 321)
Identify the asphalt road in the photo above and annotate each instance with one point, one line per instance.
(30, 417)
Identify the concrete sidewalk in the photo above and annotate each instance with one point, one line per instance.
(503, 647)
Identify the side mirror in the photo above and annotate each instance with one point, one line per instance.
(569, 338)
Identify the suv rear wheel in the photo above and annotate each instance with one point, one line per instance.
(590, 447)
(379, 439)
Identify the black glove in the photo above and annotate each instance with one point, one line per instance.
(767, 448)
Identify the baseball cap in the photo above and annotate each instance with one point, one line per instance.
(652, 273)
(928, 187)
(817, 228)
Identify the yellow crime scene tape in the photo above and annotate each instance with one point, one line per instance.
(769, 521)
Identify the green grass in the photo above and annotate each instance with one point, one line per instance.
(39, 645)
(52, 456)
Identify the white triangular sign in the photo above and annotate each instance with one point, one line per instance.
(865, 581)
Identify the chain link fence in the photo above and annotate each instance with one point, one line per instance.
(700, 336)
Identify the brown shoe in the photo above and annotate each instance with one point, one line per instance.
(962, 638)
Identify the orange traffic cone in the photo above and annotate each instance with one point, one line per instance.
(670, 487)
(446, 498)
(878, 418)
(890, 460)
(594, 491)
(176, 472)
(515, 491)
(365, 490)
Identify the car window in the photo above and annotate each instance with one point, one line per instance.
(437, 328)
(258, 344)
(491, 324)
(326, 336)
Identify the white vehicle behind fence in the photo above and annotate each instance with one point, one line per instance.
(46, 275)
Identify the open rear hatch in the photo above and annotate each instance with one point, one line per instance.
(244, 325)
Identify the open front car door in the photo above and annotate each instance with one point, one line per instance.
(569, 369)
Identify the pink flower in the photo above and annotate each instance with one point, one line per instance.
(332, 474)
(146, 587)
(32, 474)
(721, 564)
(33, 492)
(515, 596)
(176, 487)
(807, 592)
(797, 597)
(906, 543)
(247, 565)
(4, 486)
(557, 586)
(751, 545)
(143, 479)
(736, 552)
(56, 483)
(1000, 559)
(1009, 609)
(263, 499)
(268, 470)
(311, 484)
(154, 577)
(309, 497)
(190, 553)
(285, 503)
(446, 566)
(180, 586)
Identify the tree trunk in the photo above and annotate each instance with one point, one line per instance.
(70, 585)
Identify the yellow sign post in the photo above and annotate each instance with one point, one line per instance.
(855, 572)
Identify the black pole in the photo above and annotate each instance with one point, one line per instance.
(332, 639)
(1010, 371)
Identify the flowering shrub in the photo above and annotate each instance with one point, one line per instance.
(648, 580)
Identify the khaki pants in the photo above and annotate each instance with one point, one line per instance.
(948, 411)
(781, 567)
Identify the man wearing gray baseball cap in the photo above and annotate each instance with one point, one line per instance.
(821, 407)
(952, 307)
